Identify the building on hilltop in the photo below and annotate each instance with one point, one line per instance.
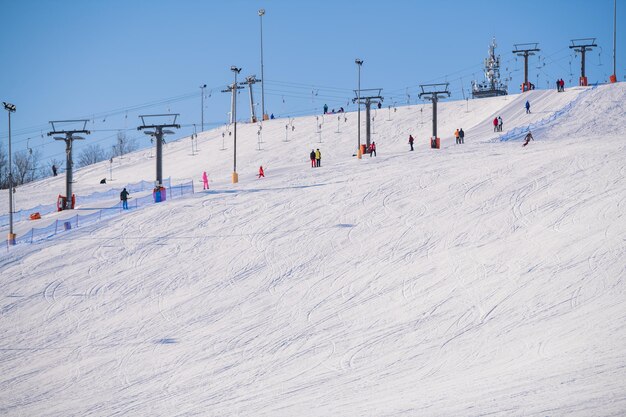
(491, 86)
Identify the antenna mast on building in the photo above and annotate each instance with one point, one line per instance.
(491, 86)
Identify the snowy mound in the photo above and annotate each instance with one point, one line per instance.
(484, 278)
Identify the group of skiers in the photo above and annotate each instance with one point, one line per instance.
(316, 158)
(341, 110)
(459, 135)
(497, 124)
(316, 155)
(560, 85)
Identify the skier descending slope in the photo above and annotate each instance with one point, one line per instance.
(528, 138)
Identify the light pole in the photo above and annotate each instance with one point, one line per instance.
(235, 177)
(10, 108)
(359, 62)
(614, 76)
(261, 13)
(202, 87)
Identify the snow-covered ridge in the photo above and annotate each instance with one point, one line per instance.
(484, 278)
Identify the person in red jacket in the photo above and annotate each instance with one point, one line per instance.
(373, 149)
(495, 124)
(261, 173)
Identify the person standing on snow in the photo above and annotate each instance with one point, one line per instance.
(54, 170)
(261, 172)
(527, 107)
(325, 108)
(318, 158)
(499, 124)
(124, 198)
(495, 124)
(312, 155)
(373, 149)
(411, 141)
(461, 136)
(205, 181)
(456, 136)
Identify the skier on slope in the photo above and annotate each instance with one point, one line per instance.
(312, 156)
(527, 107)
(124, 198)
(495, 124)
(261, 172)
(318, 158)
(499, 124)
(457, 136)
(373, 149)
(461, 136)
(528, 138)
(205, 181)
(411, 141)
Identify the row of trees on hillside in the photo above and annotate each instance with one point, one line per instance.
(27, 164)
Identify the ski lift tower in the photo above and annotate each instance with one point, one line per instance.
(432, 92)
(67, 202)
(158, 134)
(582, 46)
(526, 50)
(372, 95)
(250, 80)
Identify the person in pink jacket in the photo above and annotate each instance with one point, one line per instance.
(205, 181)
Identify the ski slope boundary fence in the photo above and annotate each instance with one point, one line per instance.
(68, 224)
(50, 208)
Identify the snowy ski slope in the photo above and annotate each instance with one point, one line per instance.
(481, 279)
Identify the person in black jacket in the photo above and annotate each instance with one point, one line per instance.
(312, 156)
(124, 197)
(461, 136)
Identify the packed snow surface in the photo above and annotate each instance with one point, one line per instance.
(478, 279)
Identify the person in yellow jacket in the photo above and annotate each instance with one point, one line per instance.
(457, 135)
(318, 158)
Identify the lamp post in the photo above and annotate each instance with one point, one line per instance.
(359, 63)
(261, 13)
(202, 87)
(614, 77)
(10, 108)
(235, 177)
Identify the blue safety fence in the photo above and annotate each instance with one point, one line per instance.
(520, 132)
(80, 200)
(65, 225)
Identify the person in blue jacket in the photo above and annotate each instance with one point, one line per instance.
(527, 107)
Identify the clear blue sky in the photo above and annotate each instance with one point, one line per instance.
(71, 59)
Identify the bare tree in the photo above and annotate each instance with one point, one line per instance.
(4, 168)
(124, 145)
(90, 155)
(25, 166)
